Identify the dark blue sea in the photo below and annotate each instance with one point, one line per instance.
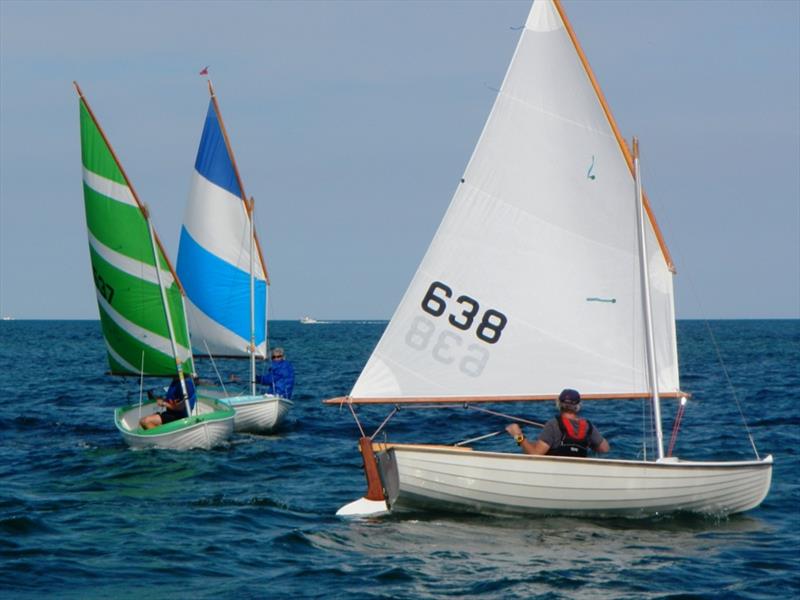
(82, 516)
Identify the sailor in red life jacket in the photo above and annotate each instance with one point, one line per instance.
(565, 434)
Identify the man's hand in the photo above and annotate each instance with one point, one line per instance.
(514, 430)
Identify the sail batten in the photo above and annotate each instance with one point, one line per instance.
(532, 282)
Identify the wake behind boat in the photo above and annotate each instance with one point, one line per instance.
(548, 271)
(224, 273)
(139, 298)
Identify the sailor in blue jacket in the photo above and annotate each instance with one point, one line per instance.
(279, 378)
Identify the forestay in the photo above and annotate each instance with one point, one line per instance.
(129, 298)
(532, 281)
(214, 252)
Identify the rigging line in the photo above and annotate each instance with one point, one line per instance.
(499, 414)
(360, 428)
(714, 343)
(426, 406)
(267, 349)
(732, 388)
(214, 364)
(676, 426)
(688, 277)
(703, 312)
(141, 386)
(479, 438)
(644, 430)
(385, 421)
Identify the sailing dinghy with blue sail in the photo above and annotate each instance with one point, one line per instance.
(223, 272)
(548, 271)
(140, 299)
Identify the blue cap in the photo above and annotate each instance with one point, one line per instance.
(569, 396)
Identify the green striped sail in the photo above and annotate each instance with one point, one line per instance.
(121, 250)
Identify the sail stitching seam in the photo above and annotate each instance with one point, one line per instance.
(607, 134)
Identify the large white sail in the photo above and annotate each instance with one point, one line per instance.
(532, 282)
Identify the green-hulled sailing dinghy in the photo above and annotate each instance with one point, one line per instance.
(141, 307)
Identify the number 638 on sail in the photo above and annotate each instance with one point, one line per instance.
(488, 329)
(446, 345)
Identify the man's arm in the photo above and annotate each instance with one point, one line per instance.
(598, 443)
(538, 447)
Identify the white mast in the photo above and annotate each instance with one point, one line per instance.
(252, 301)
(164, 303)
(651, 351)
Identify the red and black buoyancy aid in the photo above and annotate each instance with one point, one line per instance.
(574, 440)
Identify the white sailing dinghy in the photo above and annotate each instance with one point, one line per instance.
(548, 271)
(139, 298)
(222, 269)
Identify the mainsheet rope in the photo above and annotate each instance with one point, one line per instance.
(397, 409)
(214, 364)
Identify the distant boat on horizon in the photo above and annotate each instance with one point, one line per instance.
(308, 320)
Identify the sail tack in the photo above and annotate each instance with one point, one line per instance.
(214, 252)
(532, 281)
(124, 269)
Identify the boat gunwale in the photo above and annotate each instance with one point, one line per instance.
(253, 400)
(222, 412)
(765, 462)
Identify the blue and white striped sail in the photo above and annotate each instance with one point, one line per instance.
(214, 252)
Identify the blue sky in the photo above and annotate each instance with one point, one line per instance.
(352, 122)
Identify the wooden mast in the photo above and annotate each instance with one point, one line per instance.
(486, 399)
(245, 202)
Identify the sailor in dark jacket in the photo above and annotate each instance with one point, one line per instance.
(173, 403)
(279, 378)
(565, 434)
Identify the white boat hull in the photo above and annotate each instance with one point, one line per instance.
(212, 426)
(417, 477)
(261, 413)
(258, 414)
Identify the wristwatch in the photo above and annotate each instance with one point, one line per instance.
(519, 438)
